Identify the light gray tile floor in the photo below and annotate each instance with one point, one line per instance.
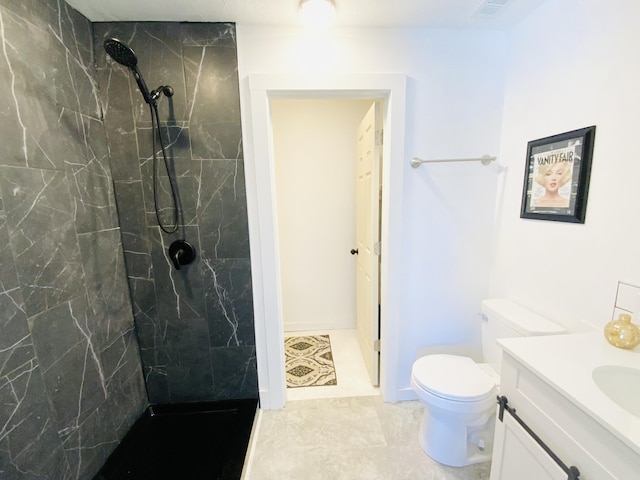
(346, 439)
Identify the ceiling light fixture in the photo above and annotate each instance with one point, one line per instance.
(317, 13)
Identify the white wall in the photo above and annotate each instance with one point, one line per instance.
(314, 143)
(454, 109)
(571, 65)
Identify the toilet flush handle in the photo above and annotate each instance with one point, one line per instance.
(354, 251)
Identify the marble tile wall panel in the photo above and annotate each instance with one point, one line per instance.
(195, 326)
(120, 127)
(143, 299)
(16, 347)
(124, 383)
(18, 77)
(88, 446)
(178, 161)
(38, 12)
(58, 131)
(75, 86)
(42, 236)
(71, 380)
(180, 293)
(174, 134)
(28, 438)
(234, 371)
(229, 302)
(105, 282)
(135, 238)
(189, 373)
(158, 47)
(183, 188)
(155, 344)
(222, 210)
(209, 35)
(70, 363)
(90, 179)
(214, 110)
(157, 383)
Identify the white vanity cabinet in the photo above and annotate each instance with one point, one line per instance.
(575, 437)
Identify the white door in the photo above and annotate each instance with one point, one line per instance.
(368, 239)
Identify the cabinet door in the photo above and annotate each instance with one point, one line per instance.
(517, 455)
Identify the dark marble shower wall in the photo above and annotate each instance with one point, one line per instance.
(195, 325)
(71, 380)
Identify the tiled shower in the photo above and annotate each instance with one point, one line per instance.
(95, 323)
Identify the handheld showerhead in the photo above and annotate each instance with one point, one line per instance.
(141, 85)
(121, 52)
(124, 55)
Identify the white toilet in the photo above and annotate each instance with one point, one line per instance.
(459, 395)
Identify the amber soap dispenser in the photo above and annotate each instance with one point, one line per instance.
(622, 333)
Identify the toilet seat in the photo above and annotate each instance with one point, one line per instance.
(453, 377)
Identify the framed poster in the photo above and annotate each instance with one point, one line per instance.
(556, 177)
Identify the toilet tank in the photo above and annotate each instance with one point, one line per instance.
(502, 318)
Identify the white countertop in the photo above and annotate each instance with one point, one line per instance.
(566, 362)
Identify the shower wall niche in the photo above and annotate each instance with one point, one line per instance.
(194, 325)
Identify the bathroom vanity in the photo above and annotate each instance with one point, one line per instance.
(581, 397)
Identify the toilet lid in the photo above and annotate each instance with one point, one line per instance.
(453, 377)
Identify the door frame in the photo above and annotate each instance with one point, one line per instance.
(261, 209)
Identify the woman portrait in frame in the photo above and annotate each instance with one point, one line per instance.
(557, 176)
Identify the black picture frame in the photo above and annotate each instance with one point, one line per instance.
(556, 177)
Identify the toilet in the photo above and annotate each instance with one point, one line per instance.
(459, 395)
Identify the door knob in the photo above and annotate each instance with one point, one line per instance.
(354, 251)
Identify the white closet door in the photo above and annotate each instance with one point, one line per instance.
(368, 240)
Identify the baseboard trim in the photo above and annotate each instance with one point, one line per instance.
(406, 394)
(312, 326)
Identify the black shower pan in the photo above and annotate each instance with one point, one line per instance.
(185, 441)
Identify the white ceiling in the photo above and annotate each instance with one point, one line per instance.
(351, 13)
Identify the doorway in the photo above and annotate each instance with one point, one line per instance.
(259, 167)
(316, 152)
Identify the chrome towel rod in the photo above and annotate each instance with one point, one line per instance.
(485, 160)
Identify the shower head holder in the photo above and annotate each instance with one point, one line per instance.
(167, 90)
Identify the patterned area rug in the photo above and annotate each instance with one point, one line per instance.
(309, 361)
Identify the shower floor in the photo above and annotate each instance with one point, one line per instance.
(188, 441)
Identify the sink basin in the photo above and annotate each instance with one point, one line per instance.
(621, 385)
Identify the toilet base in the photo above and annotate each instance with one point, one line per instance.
(457, 442)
